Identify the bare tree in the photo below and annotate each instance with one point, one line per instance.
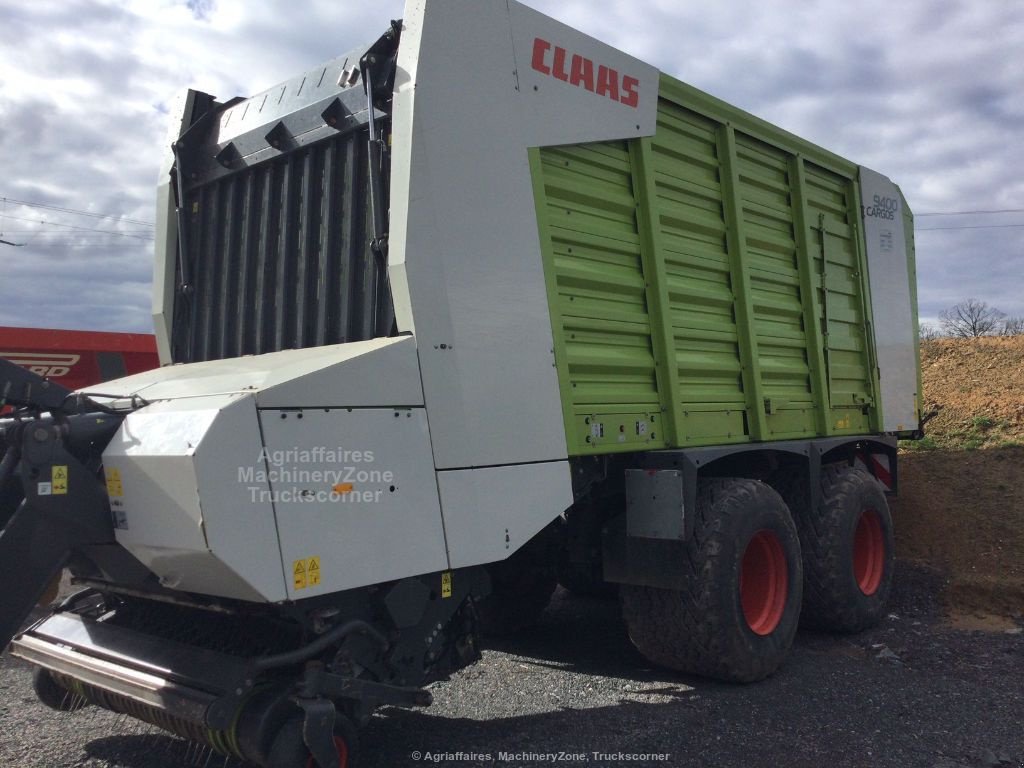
(1012, 326)
(970, 319)
(927, 332)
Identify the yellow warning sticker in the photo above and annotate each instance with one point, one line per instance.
(446, 584)
(306, 572)
(114, 487)
(59, 479)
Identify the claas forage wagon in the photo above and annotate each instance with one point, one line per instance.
(479, 307)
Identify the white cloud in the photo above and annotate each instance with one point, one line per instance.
(929, 94)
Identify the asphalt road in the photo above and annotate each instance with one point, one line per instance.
(911, 692)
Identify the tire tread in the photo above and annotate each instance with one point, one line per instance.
(686, 630)
(827, 601)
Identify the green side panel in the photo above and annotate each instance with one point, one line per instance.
(839, 256)
(593, 266)
(714, 348)
(706, 285)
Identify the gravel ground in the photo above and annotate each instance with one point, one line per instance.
(912, 692)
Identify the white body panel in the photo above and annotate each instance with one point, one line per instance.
(387, 527)
(379, 372)
(182, 511)
(889, 277)
(199, 506)
(465, 259)
(166, 245)
(490, 513)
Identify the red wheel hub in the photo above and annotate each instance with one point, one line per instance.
(342, 754)
(869, 552)
(764, 582)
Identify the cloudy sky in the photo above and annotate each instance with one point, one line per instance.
(929, 93)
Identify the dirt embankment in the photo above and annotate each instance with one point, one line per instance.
(961, 505)
(975, 387)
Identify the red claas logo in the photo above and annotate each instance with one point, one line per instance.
(51, 365)
(555, 61)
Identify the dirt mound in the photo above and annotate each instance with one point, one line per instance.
(976, 387)
(961, 505)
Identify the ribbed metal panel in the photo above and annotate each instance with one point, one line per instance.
(832, 202)
(707, 282)
(280, 256)
(591, 215)
(693, 229)
(766, 200)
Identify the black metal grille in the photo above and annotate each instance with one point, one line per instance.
(280, 256)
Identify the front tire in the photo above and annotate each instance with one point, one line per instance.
(737, 614)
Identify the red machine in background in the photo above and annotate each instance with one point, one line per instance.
(77, 359)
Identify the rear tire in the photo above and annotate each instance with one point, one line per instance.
(848, 551)
(737, 614)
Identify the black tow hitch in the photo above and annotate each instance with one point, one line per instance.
(318, 730)
(52, 498)
(315, 695)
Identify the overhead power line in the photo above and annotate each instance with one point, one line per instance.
(970, 213)
(146, 235)
(76, 211)
(149, 224)
(73, 244)
(978, 226)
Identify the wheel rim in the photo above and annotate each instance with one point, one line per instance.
(764, 581)
(869, 552)
(342, 754)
